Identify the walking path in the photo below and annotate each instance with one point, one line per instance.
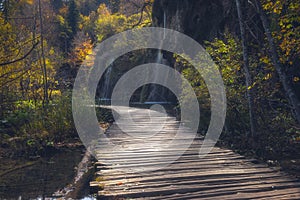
(141, 167)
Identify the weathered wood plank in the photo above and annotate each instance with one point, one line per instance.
(222, 174)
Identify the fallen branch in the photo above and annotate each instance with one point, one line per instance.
(17, 168)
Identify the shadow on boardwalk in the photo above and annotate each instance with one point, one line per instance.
(222, 174)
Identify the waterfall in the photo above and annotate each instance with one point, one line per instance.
(159, 58)
(105, 89)
(154, 88)
(156, 92)
(165, 23)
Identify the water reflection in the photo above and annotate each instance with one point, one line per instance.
(43, 178)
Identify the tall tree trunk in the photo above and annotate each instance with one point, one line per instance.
(289, 90)
(6, 10)
(249, 81)
(44, 68)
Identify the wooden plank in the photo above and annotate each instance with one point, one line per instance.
(222, 174)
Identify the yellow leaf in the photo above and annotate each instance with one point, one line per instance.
(268, 76)
(296, 79)
(29, 2)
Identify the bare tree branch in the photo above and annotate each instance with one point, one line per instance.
(13, 79)
(142, 14)
(19, 47)
(20, 17)
(8, 74)
(23, 57)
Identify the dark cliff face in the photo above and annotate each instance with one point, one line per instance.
(200, 19)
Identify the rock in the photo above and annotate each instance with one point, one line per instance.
(201, 19)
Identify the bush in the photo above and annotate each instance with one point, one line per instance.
(32, 127)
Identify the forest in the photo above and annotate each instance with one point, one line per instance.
(255, 44)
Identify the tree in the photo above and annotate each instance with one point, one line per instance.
(289, 90)
(43, 63)
(26, 58)
(249, 81)
(73, 17)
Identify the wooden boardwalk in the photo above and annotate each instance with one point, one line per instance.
(139, 168)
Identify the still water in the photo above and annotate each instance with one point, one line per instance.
(41, 179)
